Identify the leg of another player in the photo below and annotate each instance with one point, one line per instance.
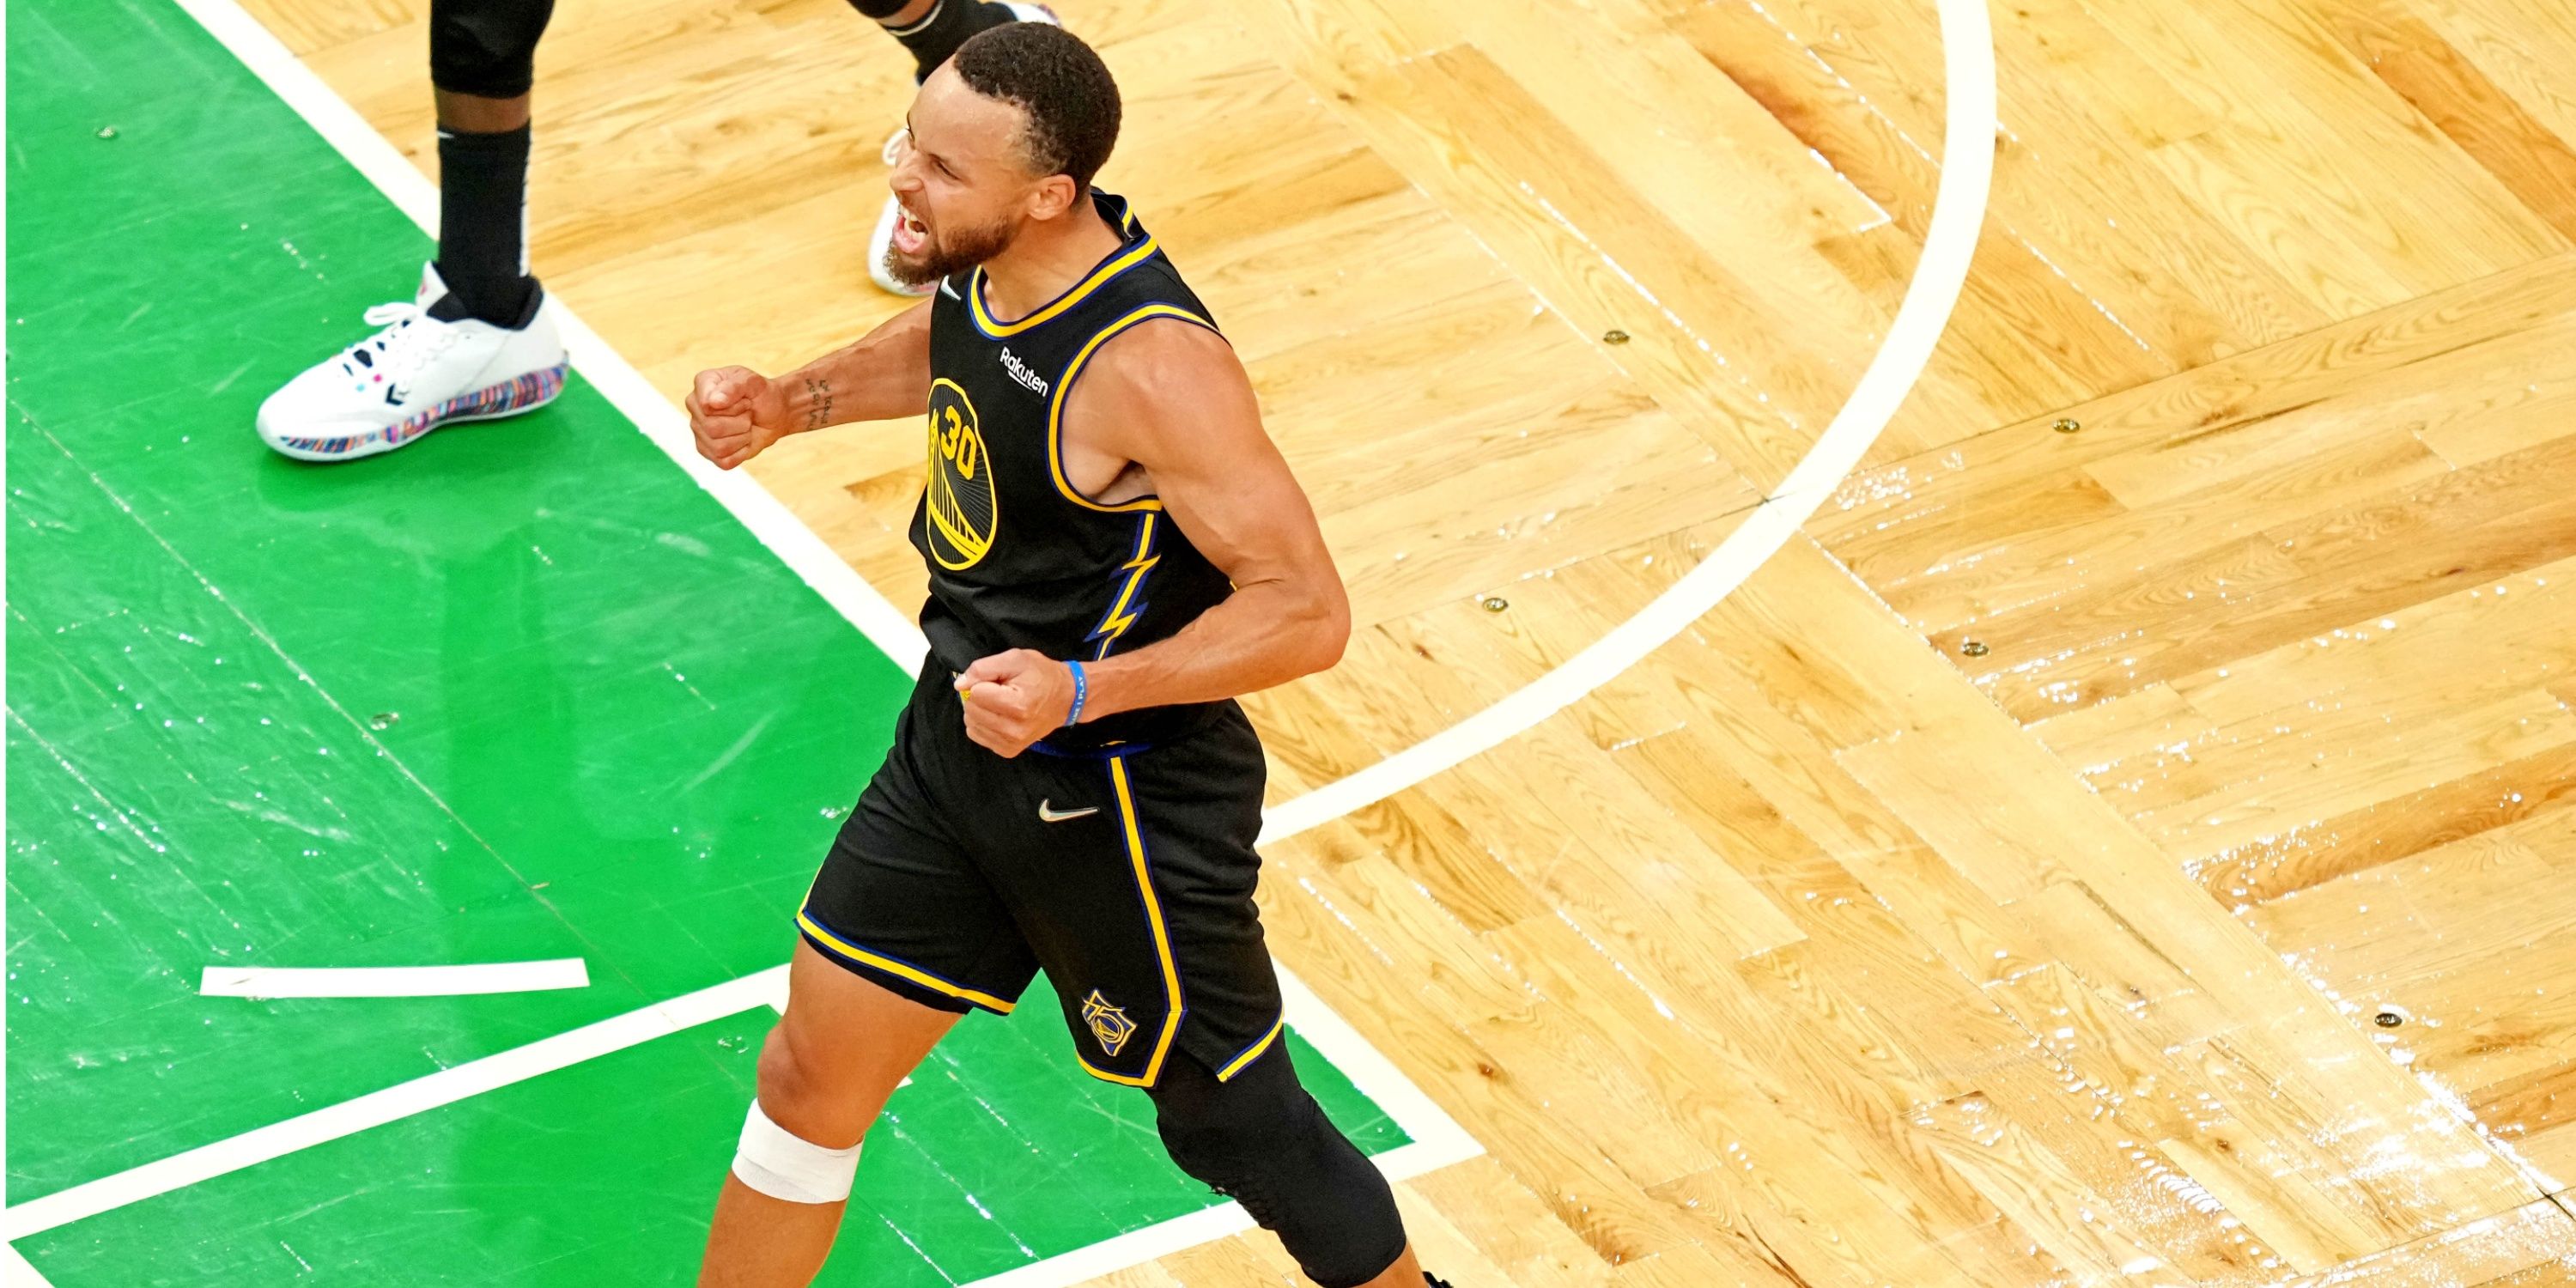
(483, 199)
(933, 29)
(475, 343)
(829, 1065)
(482, 61)
(475, 114)
(913, 11)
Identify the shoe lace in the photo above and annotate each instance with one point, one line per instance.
(402, 346)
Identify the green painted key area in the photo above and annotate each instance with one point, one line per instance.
(518, 691)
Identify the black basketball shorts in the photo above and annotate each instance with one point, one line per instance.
(1126, 874)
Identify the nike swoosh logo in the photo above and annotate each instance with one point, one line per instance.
(1051, 816)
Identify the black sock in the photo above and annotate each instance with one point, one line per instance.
(482, 213)
(948, 24)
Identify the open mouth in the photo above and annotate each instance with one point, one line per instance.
(910, 234)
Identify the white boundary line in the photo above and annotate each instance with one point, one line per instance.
(1950, 243)
(1958, 211)
(1135, 1248)
(402, 1100)
(393, 981)
(625, 388)
(15, 1272)
(1437, 1140)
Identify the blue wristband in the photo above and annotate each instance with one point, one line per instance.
(1081, 690)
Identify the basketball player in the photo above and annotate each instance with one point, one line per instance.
(478, 342)
(1116, 550)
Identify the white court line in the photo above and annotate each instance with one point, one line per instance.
(1437, 1139)
(402, 1100)
(625, 388)
(1135, 1248)
(394, 981)
(1950, 242)
(16, 1273)
(1958, 211)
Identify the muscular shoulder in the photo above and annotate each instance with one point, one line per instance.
(1165, 356)
(1158, 374)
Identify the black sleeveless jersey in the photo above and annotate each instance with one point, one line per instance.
(1017, 557)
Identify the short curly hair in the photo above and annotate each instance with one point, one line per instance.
(1058, 83)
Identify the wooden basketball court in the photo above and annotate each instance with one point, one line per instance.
(2126, 835)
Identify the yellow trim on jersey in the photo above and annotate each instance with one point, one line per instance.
(999, 330)
(1064, 384)
(892, 967)
(1117, 621)
(1251, 1053)
(1162, 941)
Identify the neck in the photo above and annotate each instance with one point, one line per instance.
(1047, 259)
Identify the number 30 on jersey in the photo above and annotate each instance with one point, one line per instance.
(961, 499)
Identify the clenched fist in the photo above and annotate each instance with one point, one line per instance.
(735, 413)
(1015, 698)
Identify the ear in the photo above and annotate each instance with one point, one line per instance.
(1053, 196)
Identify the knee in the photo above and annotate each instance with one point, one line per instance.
(781, 1076)
(487, 48)
(792, 1147)
(797, 1095)
(1219, 1131)
(1220, 1146)
(1264, 1142)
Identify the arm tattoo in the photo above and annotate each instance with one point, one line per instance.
(818, 398)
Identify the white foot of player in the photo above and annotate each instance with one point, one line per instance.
(892, 216)
(415, 375)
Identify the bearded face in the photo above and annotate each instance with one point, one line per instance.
(962, 181)
(925, 249)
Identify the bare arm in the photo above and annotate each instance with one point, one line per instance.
(736, 412)
(1172, 398)
(1177, 402)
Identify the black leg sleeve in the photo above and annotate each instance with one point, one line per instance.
(1263, 1141)
(487, 48)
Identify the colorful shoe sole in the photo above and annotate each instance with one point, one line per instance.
(526, 393)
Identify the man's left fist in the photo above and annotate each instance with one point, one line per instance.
(1013, 699)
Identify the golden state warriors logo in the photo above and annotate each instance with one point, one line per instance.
(961, 502)
(1109, 1024)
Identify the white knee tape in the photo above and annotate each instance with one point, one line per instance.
(783, 1165)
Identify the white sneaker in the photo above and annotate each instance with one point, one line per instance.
(882, 239)
(415, 375)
